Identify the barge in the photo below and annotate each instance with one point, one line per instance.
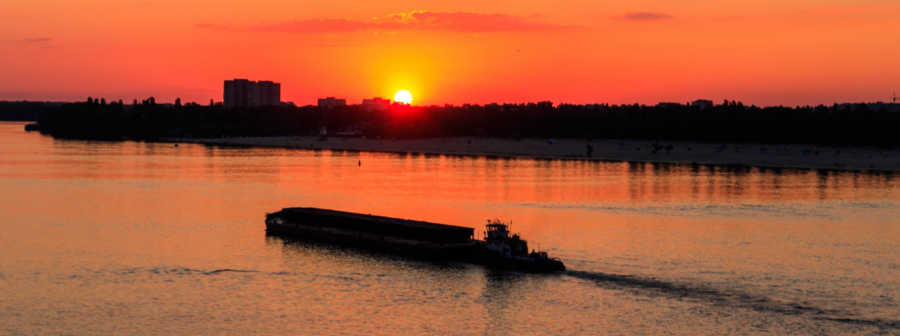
(413, 238)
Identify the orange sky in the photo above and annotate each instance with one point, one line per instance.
(766, 52)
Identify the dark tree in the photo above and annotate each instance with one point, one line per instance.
(729, 122)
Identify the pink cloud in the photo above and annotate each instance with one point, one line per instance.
(38, 39)
(416, 20)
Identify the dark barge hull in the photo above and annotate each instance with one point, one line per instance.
(377, 225)
(373, 242)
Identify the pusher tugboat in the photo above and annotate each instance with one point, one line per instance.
(502, 249)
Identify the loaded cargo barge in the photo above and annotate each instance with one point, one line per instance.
(387, 234)
(412, 238)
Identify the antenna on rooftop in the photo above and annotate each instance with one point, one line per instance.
(895, 98)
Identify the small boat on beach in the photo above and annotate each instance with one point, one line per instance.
(413, 238)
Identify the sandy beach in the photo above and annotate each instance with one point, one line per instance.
(775, 156)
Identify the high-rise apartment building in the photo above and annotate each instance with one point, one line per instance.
(243, 93)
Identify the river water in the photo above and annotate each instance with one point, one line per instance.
(148, 238)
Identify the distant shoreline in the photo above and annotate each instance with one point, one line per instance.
(777, 157)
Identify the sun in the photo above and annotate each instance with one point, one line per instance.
(403, 96)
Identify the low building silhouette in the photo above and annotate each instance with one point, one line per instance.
(376, 103)
(668, 104)
(876, 106)
(331, 102)
(702, 103)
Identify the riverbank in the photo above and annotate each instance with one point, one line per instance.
(780, 156)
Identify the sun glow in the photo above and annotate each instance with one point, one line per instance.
(403, 96)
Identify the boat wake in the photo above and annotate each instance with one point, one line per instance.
(179, 271)
(656, 287)
(229, 270)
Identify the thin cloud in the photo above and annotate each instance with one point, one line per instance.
(324, 26)
(416, 20)
(646, 16)
(342, 44)
(38, 39)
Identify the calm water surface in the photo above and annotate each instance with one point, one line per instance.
(141, 238)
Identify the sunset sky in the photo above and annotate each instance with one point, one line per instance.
(763, 52)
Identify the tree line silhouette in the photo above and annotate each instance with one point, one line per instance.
(727, 122)
(24, 110)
